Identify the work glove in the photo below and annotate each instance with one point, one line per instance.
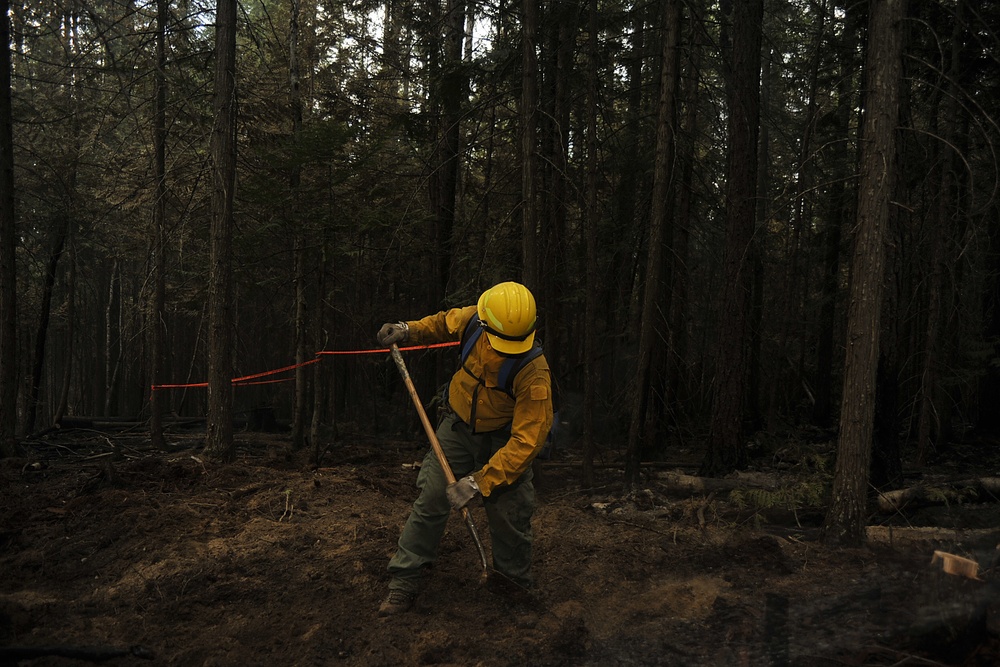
(393, 332)
(461, 492)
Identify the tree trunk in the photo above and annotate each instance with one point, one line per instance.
(619, 292)
(726, 449)
(301, 336)
(660, 232)
(592, 221)
(754, 409)
(886, 467)
(8, 245)
(219, 439)
(446, 166)
(838, 207)
(988, 417)
(112, 352)
(67, 369)
(529, 120)
(62, 228)
(158, 307)
(317, 369)
(795, 277)
(555, 124)
(845, 520)
(42, 332)
(926, 421)
(957, 320)
(294, 181)
(930, 427)
(677, 373)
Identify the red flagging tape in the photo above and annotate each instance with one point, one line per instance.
(384, 350)
(245, 380)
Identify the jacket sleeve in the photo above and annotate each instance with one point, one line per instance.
(441, 327)
(529, 430)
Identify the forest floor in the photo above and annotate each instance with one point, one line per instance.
(111, 548)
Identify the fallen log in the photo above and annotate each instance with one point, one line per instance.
(892, 535)
(108, 424)
(688, 485)
(619, 466)
(980, 489)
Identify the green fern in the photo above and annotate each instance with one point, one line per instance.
(807, 493)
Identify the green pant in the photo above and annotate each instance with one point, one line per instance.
(508, 510)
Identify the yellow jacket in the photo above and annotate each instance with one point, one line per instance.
(529, 413)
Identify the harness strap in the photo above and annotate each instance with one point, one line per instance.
(511, 366)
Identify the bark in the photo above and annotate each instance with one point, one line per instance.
(660, 232)
(845, 520)
(8, 245)
(219, 439)
(726, 449)
(886, 468)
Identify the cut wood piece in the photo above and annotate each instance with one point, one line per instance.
(892, 535)
(957, 565)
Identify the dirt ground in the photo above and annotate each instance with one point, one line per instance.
(162, 558)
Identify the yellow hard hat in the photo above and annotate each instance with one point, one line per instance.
(507, 313)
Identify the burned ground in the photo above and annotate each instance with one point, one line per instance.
(273, 561)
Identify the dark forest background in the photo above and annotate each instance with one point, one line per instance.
(682, 184)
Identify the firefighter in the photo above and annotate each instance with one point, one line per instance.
(498, 412)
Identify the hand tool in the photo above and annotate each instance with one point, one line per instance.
(436, 445)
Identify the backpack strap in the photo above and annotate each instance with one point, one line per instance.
(469, 337)
(513, 365)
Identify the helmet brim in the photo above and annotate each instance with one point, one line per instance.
(504, 346)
